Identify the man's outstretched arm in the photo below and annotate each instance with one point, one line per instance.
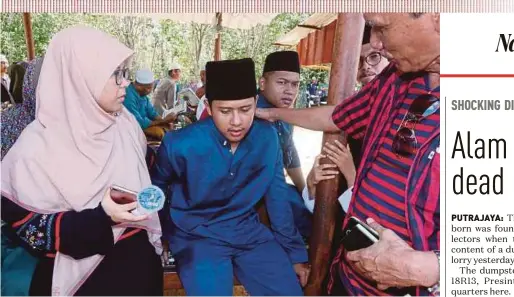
(319, 118)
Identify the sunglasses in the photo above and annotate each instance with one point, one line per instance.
(405, 143)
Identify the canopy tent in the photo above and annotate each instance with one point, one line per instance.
(313, 38)
(229, 20)
(242, 21)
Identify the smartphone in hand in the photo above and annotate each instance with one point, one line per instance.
(358, 235)
(121, 195)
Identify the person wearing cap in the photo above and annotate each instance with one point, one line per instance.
(215, 172)
(166, 92)
(138, 103)
(279, 86)
(397, 186)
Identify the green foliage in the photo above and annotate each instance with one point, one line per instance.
(156, 43)
(306, 75)
(257, 43)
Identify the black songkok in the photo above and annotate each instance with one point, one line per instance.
(282, 61)
(230, 80)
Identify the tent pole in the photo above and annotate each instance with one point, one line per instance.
(343, 75)
(29, 38)
(217, 42)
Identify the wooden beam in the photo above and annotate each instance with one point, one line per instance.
(283, 44)
(343, 75)
(310, 27)
(29, 38)
(311, 48)
(217, 42)
(303, 52)
(319, 44)
(328, 45)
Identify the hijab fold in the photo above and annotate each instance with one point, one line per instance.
(67, 158)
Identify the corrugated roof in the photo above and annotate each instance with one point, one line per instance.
(317, 20)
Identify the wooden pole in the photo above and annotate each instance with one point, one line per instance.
(29, 39)
(343, 75)
(217, 42)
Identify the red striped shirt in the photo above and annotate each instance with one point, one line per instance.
(382, 185)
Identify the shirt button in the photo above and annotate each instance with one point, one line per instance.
(232, 173)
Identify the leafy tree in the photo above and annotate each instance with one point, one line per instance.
(156, 43)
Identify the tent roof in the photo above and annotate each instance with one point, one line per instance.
(229, 20)
(314, 22)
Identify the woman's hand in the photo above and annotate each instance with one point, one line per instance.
(120, 213)
(342, 157)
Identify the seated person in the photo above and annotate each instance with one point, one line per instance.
(138, 103)
(217, 170)
(56, 179)
(342, 157)
(201, 111)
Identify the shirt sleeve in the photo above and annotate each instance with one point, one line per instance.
(345, 199)
(162, 174)
(150, 110)
(281, 216)
(290, 154)
(76, 234)
(352, 114)
(170, 95)
(309, 203)
(131, 105)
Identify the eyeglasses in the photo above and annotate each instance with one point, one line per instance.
(372, 59)
(405, 142)
(120, 75)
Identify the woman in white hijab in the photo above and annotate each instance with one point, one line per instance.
(56, 179)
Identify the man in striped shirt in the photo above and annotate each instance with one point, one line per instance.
(397, 185)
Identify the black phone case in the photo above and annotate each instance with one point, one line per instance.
(353, 239)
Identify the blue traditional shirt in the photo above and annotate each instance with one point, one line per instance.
(140, 107)
(285, 135)
(212, 193)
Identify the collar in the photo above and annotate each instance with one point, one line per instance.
(224, 141)
(262, 102)
(217, 134)
(132, 89)
(410, 76)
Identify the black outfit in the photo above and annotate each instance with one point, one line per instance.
(5, 95)
(130, 267)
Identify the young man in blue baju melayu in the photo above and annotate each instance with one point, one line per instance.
(214, 172)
